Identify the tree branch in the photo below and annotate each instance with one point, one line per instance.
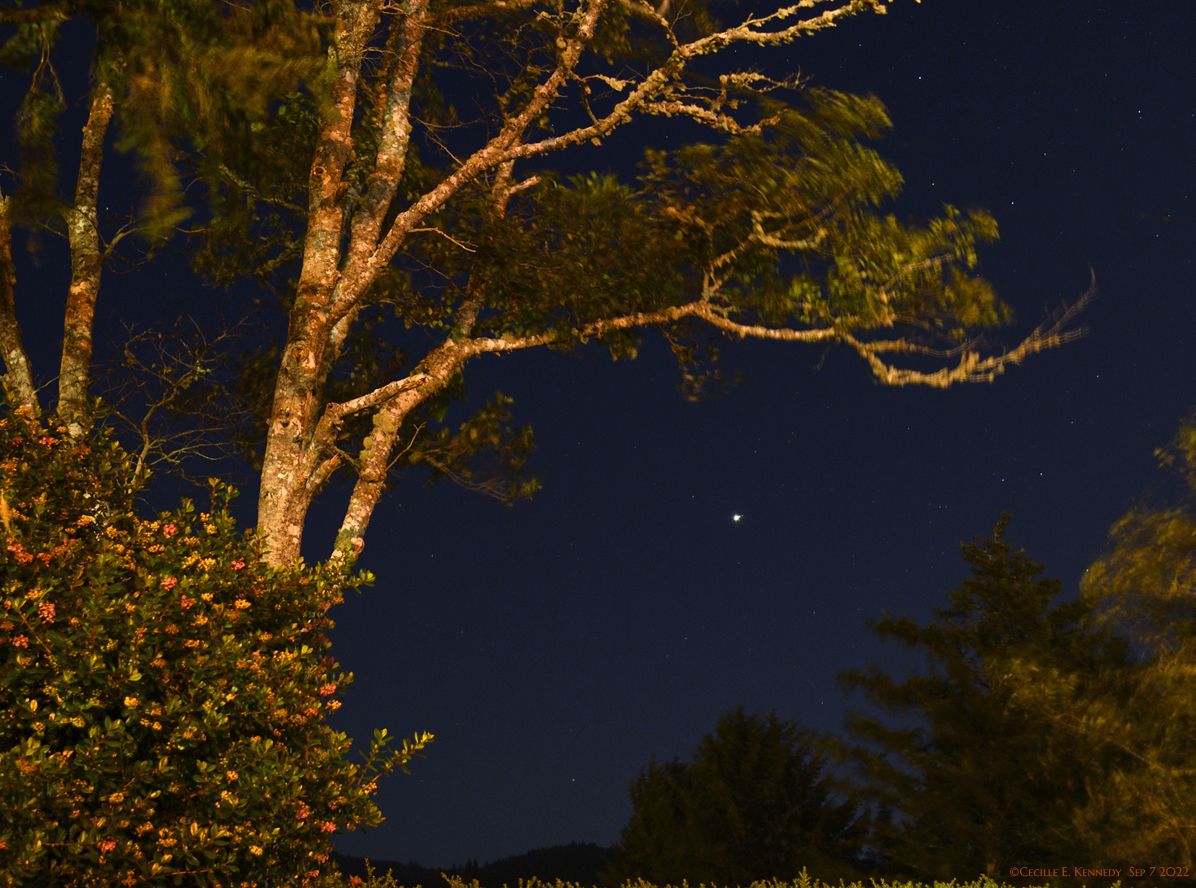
(391, 155)
(494, 153)
(971, 366)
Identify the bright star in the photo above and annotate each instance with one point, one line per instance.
(736, 517)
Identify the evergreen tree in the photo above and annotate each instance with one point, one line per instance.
(753, 804)
(976, 779)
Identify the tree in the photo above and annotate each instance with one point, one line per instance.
(385, 170)
(162, 691)
(1139, 714)
(1144, 586)
(753, 804)
(977, 779)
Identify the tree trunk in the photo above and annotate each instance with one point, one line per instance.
(83, 234)
(18, 378)
(291, 451)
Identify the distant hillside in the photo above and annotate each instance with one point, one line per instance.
(580, 862)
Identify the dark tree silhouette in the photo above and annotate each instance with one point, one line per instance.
(753, 804)
(975, 779)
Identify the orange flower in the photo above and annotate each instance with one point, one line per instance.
(169, 530)
(169, 583)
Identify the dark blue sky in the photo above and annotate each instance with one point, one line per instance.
(558, 646)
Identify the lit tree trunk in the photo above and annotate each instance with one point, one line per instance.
(288, 465)
(18, 378)
(83, 235)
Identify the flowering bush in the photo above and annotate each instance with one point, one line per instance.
(162, 692)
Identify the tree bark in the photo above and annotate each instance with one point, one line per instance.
(374, 461)
(291, 453)
(17, 380)
(83, 235)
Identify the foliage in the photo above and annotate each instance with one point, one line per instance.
(392, 178)
(179, 69)
(1141, 714)
(162, 692)
(802, 880)
(975, 778)
(753, 804)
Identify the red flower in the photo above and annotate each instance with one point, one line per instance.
(169, 530)
(169, 583)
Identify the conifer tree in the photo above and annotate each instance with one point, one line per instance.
(753, 804)
(976, 779)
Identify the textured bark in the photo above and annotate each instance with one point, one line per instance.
(18, 378)
(86, 262)
(374, 461)
(289, 458)
(353, 236)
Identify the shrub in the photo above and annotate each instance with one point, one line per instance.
(162, 692)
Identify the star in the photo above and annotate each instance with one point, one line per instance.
(736, 517)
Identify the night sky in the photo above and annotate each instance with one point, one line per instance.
(556, 647)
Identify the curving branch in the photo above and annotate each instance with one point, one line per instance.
(971, 365)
